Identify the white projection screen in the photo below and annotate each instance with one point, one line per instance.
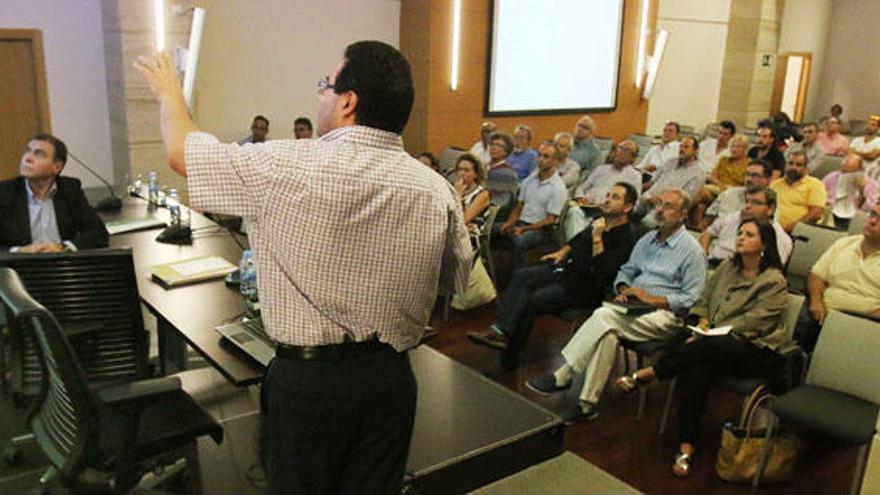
(553, 56)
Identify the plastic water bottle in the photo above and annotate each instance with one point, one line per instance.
(173, 203)
(248, 275)
(152, 189)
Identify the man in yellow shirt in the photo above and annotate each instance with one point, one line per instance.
(801, 197)
(845, 278)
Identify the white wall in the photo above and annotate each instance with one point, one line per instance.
(266, 57)
(689, 82)
(851, 72)
(805, 28)
(73, 46)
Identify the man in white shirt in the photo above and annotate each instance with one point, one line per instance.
(569, 170)
(810, 131)
(712, 149)
(481, 147)
(868, 147)
(661, 153)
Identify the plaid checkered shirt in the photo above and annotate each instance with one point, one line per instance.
(351, 236)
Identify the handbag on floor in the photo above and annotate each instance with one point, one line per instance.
(741, 446)
(480, 289)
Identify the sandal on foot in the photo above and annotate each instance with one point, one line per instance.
(682, 465)
(629, 383)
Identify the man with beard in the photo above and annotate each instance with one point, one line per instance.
(665, 271)
(523, 157)
(719, 240)
(685, 173)
(801, 197)
(481, 147)
(766, 150)
(578, 275)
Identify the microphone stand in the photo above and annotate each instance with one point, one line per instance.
(111, 204)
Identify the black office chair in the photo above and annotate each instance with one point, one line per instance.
(107, 437)
(644, 351)
(94, 295)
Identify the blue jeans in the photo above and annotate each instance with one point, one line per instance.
(524, 243)
(532, 291)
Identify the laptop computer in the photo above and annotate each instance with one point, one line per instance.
(249, 336)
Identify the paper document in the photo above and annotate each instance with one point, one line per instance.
(711, 332)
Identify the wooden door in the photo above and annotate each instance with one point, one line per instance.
(791, 83)
(24, 104)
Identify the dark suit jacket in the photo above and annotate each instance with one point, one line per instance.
(77, 221)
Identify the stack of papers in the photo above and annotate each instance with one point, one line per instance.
(191, 270)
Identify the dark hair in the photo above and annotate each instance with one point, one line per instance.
(304, 121)
(677, 127)
(770, 255)
(632, 195)
(769, 195)
(60, 147)
(766, 125)
(695, 139)
(503, 136)
(264, 119)
(728, 125)
(768, 169)
(473, 159)
(435, 163)
(810, 124)
(382, 80)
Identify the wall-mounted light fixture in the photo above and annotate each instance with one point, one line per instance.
(192, 55)
(641, 53)
(654, 63)
(159, 10)
(456, 44)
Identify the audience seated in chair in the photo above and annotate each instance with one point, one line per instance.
(845, 278)
(809, 132)
(719, 241)
(712, 149)
(849, 191)
(662, 152)
(594, 189)
(584, 150)
(801, 198)
(576, 276)
(429, 160)
(766, 150)
(868, 147)
(831, 141)
(43, 212)
(481, 147)
(730, 171)
(665, 271)
(469, 186)
(684, 173)
(523, 158)
(568, 169)
(500, 177)
(541, 199)
(747, 292)
(733, 199)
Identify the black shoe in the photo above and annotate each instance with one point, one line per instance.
(546, 385)
(489, 338)
(429, 334)
(509, 359)
(581, 411)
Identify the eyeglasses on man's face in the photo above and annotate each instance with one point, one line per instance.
(325, 84)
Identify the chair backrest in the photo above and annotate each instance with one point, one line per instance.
(810, 242)
(64, 418)
(486, 239)
(559, 228)
(603, 143)
(825, 165)
(846, 358)
(790, 315)
(857, 223)
(711, 130)
(95, 287)
(447, 158)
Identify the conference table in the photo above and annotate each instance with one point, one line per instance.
(469, 430)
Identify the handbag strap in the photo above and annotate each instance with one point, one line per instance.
(755, 406)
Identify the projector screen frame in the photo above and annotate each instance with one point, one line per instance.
(556, 111)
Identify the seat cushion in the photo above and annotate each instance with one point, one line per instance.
(838, 415)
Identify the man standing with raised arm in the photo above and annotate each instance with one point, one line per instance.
(347, 280)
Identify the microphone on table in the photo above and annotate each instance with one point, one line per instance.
(111, 204)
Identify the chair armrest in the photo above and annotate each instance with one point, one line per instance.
(127, 393)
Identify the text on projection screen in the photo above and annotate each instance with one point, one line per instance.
(555, 55)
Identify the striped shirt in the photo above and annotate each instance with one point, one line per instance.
(350, 234)
(674, 269)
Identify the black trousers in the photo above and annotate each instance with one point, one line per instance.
(699, 363)
(806, 332)
(337, 426)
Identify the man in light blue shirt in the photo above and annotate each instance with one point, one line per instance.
(666, 271)
(523, 157)
(584, 150)
(541, 199)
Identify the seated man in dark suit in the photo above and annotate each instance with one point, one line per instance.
(576, 276)
(41, 212)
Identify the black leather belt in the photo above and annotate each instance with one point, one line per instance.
(332, 352)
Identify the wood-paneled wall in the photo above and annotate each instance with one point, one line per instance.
(444, 118)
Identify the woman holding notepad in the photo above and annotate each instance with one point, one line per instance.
(747, 293)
